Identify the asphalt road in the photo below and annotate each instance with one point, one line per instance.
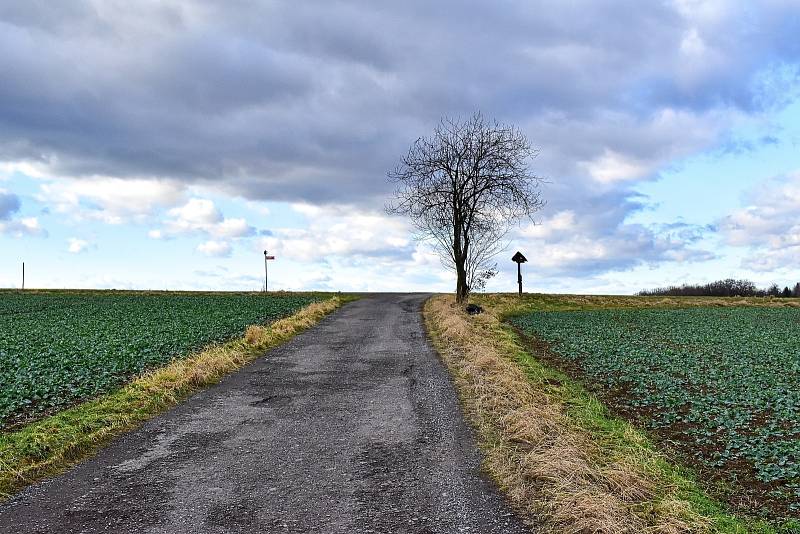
(353, 426)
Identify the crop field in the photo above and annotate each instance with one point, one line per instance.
(57, 348)
(721, 384)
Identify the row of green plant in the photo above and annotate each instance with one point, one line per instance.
(57, 348)
(719, 382)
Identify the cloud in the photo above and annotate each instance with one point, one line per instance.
(344, 246)
(567, 243)
(24, 227)
(767, 226)
(314, 104)
(201, 216)
(342, 231)
(258, 207)
(215, 248)
(9, 205)
(586, 254)
(76, 246)
(595, 237)
(613, 167)
(111, 200)
(197, 212)
(16, 227)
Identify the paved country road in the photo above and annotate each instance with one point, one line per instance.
(351, 427)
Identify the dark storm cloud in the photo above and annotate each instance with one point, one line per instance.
(314, 101)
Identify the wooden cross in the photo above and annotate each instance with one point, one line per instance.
(519, 259)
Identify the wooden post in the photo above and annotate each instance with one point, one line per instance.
(519, 259)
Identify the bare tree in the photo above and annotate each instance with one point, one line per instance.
(463, 188)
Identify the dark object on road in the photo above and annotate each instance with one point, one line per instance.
(474, 309)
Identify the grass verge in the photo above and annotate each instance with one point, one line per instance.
(564, 461)
(50, 445)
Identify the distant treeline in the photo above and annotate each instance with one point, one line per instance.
(723, 288)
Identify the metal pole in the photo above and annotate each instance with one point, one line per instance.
(519, 277)
(266, 272)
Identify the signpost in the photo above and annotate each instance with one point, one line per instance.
(266, 272)
(519, 259)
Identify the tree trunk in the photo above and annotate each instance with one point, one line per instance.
(460, 256)
(462, 289)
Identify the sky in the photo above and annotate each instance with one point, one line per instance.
(153, 145)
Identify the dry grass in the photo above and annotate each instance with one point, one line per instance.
(510, 303)
(211, 364)
(558, 475)
(52, 444)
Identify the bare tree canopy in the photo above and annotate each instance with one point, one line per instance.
(463, 188)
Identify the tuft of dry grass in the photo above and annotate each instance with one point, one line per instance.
(56, 442)
(558, 475)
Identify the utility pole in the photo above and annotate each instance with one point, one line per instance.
(23, 275)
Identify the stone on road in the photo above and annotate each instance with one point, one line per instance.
(352, 426)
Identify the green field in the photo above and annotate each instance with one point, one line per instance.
(721, 384)
(59, 347)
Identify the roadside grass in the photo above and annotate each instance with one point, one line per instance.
(52, 444)
(565, 462)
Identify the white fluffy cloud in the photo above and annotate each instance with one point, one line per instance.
(76, 246)
(342, 231)
(215, 248)
(201, 216)
(111, 200)
(768, 225)
(614, 167)
(568, 243)
(23, 227)
(198, 212)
